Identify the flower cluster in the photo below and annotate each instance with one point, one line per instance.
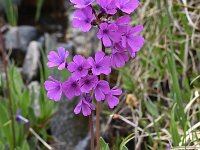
(83, 82)
(118, 35)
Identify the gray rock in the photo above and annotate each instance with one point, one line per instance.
(50, 41)
(69, 130)
(18, 38)
(32, 58)
(34, 88)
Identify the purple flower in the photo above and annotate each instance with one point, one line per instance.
(20, 118)
(101, 64)
(108, 6)
(85, 105)
(83, 19)
(111, 98)
(71, 88)
(59, 59)
(102, 88)
(107, 33)
(78, 68)
(127, 6)
(119, 56)
(88, 83)
(54, 89)
(123, 20)
(132, 42)
(81, 3)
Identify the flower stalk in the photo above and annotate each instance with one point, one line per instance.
(91, 132)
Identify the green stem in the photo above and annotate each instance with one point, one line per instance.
(8, 90)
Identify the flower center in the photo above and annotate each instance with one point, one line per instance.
(80, 68)
(98, 66)
(74, 84)
(87, 82)
(87, 21)
(105, 31)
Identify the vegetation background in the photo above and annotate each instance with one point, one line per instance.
(160, 107)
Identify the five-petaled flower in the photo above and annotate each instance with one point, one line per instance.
(83, 19)
(108, 33)
(88, 83)
(58, 59)
(111, 98)
(71, 88)
(85, 106)
(101, 64)
(79, 67)
(54, 89)
(101, 89)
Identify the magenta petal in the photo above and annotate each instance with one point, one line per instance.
(86, 27)
(136, 43)
(61, 66)
(91, 61)
(112, 101)
(77, 23)
(86, 110)
(99, 95)
(136, 29)
(77, 110)
(99, 56)
(106, 41)
(123, 20)
(78, 59)
(100, 34)
(72, 67)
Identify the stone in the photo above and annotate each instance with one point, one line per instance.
(18, 38)
(50, 41)
(69, 129)
(32, 58)
(34, 88)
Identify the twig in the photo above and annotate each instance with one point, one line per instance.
(91, 132)
(116, 116)
(40, 139)
(8, 89)
(98, 125)
(187, 14)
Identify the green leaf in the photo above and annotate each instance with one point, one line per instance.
(38, 10)
(25, 146)
(127, 78)
(103, 144)
(1, 145)
(124, 148)
(151, 107)
(5, 124)
(174, 128)
(17, 80)
(24, 103)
